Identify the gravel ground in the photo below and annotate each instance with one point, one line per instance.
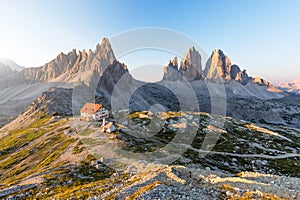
(178, 182)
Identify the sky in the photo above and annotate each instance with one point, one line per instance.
(261, 36)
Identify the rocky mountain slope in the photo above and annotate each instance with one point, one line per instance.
(62, 157)
(98, 75)
(19, 89)
(66, 158)
(67, 67)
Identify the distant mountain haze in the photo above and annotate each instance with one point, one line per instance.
(293, 86)
(11, 64)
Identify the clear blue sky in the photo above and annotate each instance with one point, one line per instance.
(262, 36)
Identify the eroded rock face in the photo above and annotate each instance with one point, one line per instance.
(235, 72)
(218, 66)
(171, 71)
(238, 75)
(190, 67)
(260, 81)
(73, 64)
(57, 100)
(109, 79)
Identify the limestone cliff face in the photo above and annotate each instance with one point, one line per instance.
(261, 81)
(218, 66)
(109, 80)
(171, 72)
(111, 76)
(190, 67)
(54, 100)
(71, 65)
(238, 75)
(53, 69)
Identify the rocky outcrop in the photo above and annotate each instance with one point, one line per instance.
(238, 75)
(171, 72)
(190, 67)
(57, 100)
(109, 79)
(235, 72)
(218, 66)
(261, 81)
(112, 74)
(68, 66)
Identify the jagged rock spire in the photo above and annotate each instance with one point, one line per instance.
(190, 65)
(171, 72)
(192, 58)
(218, 66)
(105, 51)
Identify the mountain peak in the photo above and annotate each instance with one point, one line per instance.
(218, 65)
(217, 50)
(192, 48)
(105, 45)
(12, 64)
(190, 65)
(175, 61)
(192, 58)
(105, 51)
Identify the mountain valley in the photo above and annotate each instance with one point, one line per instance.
(214, 132)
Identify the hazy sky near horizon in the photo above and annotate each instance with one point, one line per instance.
(260, 36)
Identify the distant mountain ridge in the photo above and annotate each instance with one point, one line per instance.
(12, 64)
(84, 65)
(293, 86)
(5, 70)
(217, 67)
(96, 75)
(67, 67)
(8, 67)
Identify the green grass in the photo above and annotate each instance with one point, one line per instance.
(64, 182)
(14, 159)
(17, 139)
(41, 121)
(21, 159)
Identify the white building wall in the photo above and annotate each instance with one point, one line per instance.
(102, 113)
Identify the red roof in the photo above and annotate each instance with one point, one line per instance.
(90, 108)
